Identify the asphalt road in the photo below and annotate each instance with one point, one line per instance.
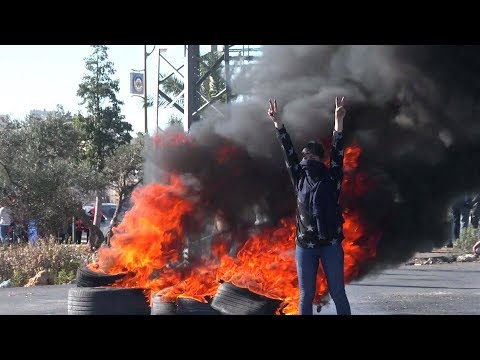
(441, 289)
(437, 289)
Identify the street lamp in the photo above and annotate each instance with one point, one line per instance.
(145, 97)
(160, 56)
(146, 54)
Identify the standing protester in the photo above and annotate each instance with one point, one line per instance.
(5, 222)
(475, 210)
(460, 211)
(319, 226)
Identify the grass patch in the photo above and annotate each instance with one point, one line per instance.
(468, 237)
(20, 262)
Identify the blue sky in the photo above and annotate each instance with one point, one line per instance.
(42, 76)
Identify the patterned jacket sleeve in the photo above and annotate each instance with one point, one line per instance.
(336, 160)
(291, 158)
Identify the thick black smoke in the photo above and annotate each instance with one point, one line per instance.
(413, 110)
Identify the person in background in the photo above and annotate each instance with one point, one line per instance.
(460, 211)
(78, 231)
(475, 215)
(475, 219)
(12, 233)
(5, 222)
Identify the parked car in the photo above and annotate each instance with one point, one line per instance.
(107, 209)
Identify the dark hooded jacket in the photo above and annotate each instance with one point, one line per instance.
(317, 187)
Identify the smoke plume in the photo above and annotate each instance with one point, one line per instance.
(413, 111)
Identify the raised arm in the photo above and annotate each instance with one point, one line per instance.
(291, 158)
(336, 152)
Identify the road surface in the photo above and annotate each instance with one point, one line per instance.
(437, 289)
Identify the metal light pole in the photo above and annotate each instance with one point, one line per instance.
(159, 80)
(145, 83)
(191, 86)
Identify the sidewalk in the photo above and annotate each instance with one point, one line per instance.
(440, 252)
(442, 255)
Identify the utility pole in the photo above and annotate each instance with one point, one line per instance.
(231, 57)
(159, 80)
(228, 89)
(145, 85)
(145, 82)
(192, 98)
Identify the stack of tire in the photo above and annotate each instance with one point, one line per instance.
(94, 295)
(228, 300)
(233, 300)
(182, 306)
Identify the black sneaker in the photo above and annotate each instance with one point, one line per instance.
(449, 245)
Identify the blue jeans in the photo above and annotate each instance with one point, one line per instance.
(307, 268)
(3, 233)
(457, 212)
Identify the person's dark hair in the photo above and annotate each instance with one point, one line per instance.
(313, 148)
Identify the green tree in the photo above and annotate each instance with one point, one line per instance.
(174, 120)
(215, 82)
(172, 85)
(103, 126)
(124, 172)
(41, 175)
(149, 102)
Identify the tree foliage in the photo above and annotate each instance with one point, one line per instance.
(42, 176)
(103, 126)
(124, 172)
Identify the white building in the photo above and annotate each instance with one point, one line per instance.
(3, 119)
(41, 114)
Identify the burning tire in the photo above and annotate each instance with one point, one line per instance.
(89, 278)
(188, 306)
(107, 301)
(162, 307)
(232, 300)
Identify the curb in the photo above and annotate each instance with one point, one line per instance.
(441, 259)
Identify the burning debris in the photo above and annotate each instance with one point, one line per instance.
(233, 300)
(412, 139)
(168, 218)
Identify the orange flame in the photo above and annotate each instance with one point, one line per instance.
(151, 235)
(266, 263)
(149, 242)
(226, 153)
(351, 157)
(171, 138)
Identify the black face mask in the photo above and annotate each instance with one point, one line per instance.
(314, 168)
(310, 163)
